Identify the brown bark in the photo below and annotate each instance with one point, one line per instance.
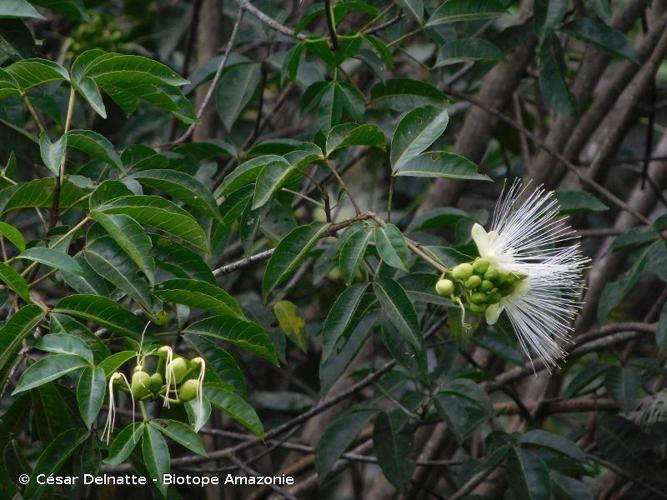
(209, 39)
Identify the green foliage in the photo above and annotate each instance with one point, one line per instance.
(237, 245)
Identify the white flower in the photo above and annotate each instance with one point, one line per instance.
(528, 239)
(650, 409)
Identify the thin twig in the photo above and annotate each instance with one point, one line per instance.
(218, 74)
(269, 21)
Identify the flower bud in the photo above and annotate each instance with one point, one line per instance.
(188, 390)
(478, 298)
(487, 286)
(156, 383)
(462, 271)
(477, 308)
(480, 266)
(494, 297)
(473, 282)
(179, 368)
(444, 287)
(491, 274)
(140, 385)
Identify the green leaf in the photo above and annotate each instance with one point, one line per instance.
(161, 214)
(180, 261)
(181, 186)
(131, 237)
(416, 131)
(352, 254)
(180, 433)
(90, 393)
(347, 135)
(339, 101)
(242, 333)
(465, 10)
(615, 291)
(459, 50)
(199, 295)
(291, 322)
(237, 86)
(124, 443)
(18, 9)
(394, 446)
(12, 234)
(289, 254)
(247, 173)
(414, 7)
(94, 145)
(53, 153)
(338, 436)
(552, 71)
(528, 475)
(567, 488)
(30, 73)
(404, 94)
(63, 343)
(599, 34)
(86, 282)
(52, 459)
(440, 164)
(549, 14)
(341, 319)
(554, 442)
(14, 281)
(398, 308)
(623, 384)
(47, 369)
(234, 406)
(155, 452)
(574, 201)
(12, 334)
(218, 362)
(39, 193)
(270, 180)
(392, 247)
(112, 363)
(635, 236)
(102, 311)
(52, 258)
(111, 263)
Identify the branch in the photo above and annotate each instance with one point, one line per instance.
(270, 22)
(568, 164)
(211, 89)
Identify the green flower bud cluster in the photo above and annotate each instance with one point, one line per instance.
(479, 282)
(152, 386)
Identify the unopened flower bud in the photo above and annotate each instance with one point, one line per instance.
(478, 298)
(480, 266)
(462, 271)
(473, 282)
(188, 390)
(444, 287)
(140, 384)
(491, 274)
(478, 308)
(487, 286)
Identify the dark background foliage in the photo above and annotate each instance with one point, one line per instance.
(238, 181)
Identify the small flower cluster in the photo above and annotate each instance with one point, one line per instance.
(481, 284)
(176, 380)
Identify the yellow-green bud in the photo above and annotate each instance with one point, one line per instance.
(188, 390)
(156, 383)
(444, 287)
(478, 298)
(478, 308)
(473, 282)
(480, 266)
(487, 286)
(491, 274)
(494, 297)
(140, 384)
(462, 271)
(179, 368)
